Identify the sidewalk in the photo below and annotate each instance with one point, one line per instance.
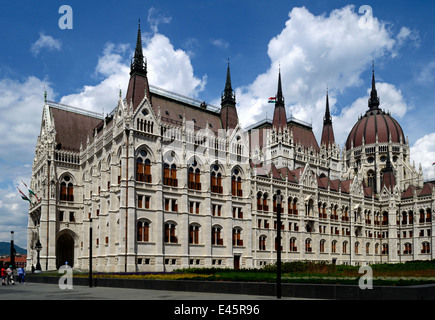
(42, 291)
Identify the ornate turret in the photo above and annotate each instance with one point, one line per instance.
(228, 104)
(327, 132)
(374, 99)
(279, 114)
(138, 86)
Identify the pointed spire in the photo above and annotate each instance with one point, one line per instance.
(138, 64)
(279, 114)
(228, 82)
(327, 133)
(138, 87)
(279, 96)
(228, 104)
(374, 99)
(228, 96)
(327, 119)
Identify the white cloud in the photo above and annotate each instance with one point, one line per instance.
(220, 43)
(423, 152)
(45, 42)
(169, 68)
(391, 100)
(155, 19)
(313, 53)
(21, 109)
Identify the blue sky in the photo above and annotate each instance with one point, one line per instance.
(317, 45)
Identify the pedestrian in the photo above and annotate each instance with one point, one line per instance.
(3, 275)
(10, 275)
(21, 274)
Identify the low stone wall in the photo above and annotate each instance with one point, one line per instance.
(314, 291)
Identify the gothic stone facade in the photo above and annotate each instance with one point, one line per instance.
(167, 182)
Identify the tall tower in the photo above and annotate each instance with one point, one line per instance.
(138, 87)
(228, 104)
(327, 132)
(279, 115)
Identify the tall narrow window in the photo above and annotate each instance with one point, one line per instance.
(216, 179)
(143, 231)
(170, 236)
(66, 189)
(236, 183)
(143, 167)
(216, 236)
(193, 234)
(194, 176)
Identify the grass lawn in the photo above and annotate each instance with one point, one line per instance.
(412, 273)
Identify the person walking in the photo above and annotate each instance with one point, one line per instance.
(3, 275)
(21, 274)
(10, 275)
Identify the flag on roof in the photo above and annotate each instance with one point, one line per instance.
(31, 192)
(23, 196)
(272, 99)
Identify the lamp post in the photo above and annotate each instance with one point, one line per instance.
(278, 249)
(38, 248)
(12, 251)
(90, 253)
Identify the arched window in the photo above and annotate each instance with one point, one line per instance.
(236, 183)
(265, 205)
(170, 175)
(237, 241)
(143, 231)
(322, 246)
(216, 236)
(66, 189)
(193, 234)
(407, 248)
(345, 247)
(425, 247)
(143, 167)
(170, 233)
(308, 245)
(259, 202)
(368, 248)
(262, 243)
(216, 179)
(194, 176)
(334, 246)
(385, 248)
(293, 247)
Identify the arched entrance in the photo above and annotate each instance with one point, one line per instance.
(65, 250)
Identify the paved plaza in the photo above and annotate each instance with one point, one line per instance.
(42, 291)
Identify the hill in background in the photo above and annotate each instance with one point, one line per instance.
(5, 249)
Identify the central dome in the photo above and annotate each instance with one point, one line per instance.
(375, 123)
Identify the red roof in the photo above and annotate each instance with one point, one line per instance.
(372, 123)
(73, 128)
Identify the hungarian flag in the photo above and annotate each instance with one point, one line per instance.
(24, 197)
(272, 99)
(31, 192)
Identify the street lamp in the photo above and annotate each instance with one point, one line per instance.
(278, 249)
(38, 248)
(12, 251)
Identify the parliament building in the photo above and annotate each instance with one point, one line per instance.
(166, 182)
